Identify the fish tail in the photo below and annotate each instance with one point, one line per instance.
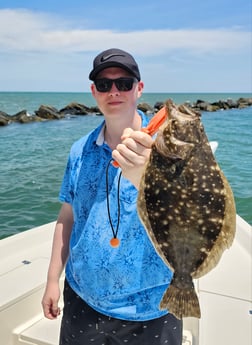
(181, 302)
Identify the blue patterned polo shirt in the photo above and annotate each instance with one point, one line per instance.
(126, 282)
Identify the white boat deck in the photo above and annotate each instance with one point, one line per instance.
(225, 293)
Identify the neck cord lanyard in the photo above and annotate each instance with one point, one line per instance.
(114, 242)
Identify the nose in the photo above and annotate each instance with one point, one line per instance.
(114, 89)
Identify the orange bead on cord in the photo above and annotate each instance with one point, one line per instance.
(114, 242)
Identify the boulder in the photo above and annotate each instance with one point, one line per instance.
(4, 118)
(75, 109)
(26, 118)
(244, 102)
(95, 110)
(231, 103)
(158, 106)
(201, 105)
(48, 112)
(220, 105)
(19, 115)
(146, 108)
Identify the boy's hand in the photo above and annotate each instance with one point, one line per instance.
(133, 154)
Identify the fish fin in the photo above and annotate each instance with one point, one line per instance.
(229, 226)
(181, 302)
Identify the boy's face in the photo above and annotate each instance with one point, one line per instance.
(115, 102)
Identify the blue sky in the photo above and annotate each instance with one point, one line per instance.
(181, 46)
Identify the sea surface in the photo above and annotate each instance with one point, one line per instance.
(33, 156)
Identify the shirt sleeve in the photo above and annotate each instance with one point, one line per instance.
(66, 192)
(70, 178)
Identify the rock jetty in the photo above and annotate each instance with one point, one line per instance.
(47, 112)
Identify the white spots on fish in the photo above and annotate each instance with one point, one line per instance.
(220, 210)
(203, 229)
(216, 220)
(204, 250)
(196, 179)
(184, 194)
(204, 185)
(189, 204)
(214, 167)
(192, 218)
(212, 230)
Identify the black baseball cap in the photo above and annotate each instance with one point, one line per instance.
(114, 58)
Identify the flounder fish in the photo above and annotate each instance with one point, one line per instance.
(186, 206)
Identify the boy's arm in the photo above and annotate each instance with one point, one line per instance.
(60, 250)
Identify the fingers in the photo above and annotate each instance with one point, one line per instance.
(138, 136)
(134, 149)
(130, 154)
(55, 310)
(50, 309)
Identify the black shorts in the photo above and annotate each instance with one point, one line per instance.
(82, 325)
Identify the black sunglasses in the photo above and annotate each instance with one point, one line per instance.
(122, 84)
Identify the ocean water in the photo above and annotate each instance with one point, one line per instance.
(33, 156)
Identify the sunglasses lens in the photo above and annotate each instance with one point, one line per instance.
(104, 84)
(122, 84)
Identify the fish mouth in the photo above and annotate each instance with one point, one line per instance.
(181, 112)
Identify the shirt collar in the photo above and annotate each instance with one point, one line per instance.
(100, 139)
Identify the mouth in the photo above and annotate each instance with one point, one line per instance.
(114, 103)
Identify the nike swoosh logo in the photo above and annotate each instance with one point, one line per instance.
(106, 57)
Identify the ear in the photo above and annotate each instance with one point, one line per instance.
(92, 87)
(140, 87)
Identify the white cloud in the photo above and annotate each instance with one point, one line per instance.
(22, 30)
(43, 52)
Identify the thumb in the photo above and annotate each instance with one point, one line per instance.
(126, 133)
